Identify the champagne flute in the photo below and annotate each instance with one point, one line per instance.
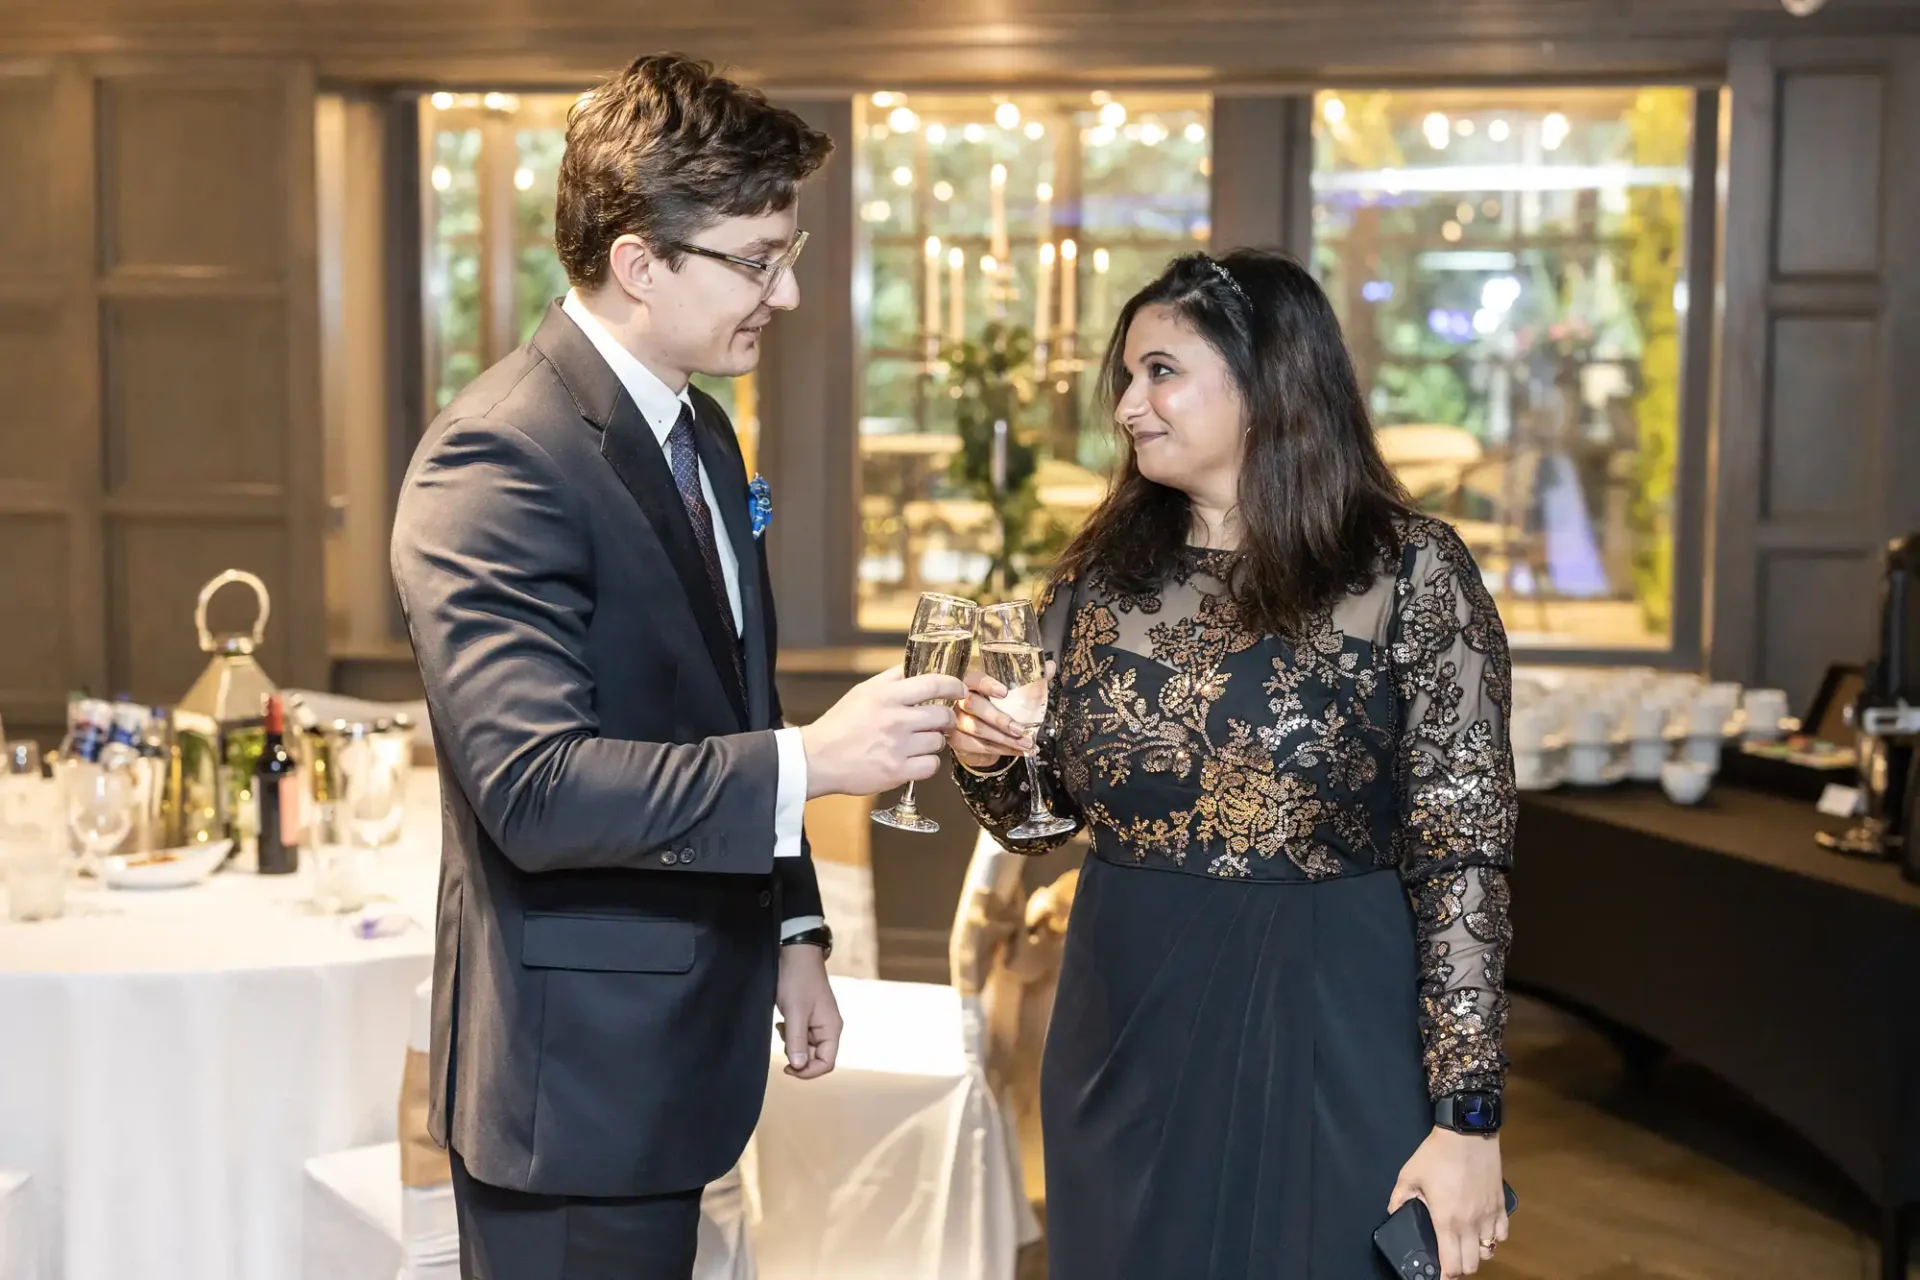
(939, 642)
(1010, 652)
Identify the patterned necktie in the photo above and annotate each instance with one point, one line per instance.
(685, 460)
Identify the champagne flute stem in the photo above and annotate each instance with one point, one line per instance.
(1036, 810)
(906, 804)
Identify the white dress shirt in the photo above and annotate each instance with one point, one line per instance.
(660, 406)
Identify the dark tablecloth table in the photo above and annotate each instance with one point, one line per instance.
(1723, 933)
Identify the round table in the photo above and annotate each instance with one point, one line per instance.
(168, 1061)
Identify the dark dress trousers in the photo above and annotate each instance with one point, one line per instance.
(609, 908)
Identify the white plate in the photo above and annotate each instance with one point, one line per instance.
(1613, 773)
(167, 869)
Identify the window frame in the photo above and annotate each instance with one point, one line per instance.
(1688, 633)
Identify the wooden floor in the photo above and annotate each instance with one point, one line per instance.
(1672, 1178)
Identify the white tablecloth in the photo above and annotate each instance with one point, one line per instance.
(18, 1257)
(893, 1167)
(169, 1060)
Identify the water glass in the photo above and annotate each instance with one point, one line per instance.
(372, 798)
(33, 869)
(340, 867)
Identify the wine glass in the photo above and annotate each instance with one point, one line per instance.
(1010, 652)
(939, 642)
(370, 793)
(99, 809)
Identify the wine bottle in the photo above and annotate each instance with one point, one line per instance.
(276, 791)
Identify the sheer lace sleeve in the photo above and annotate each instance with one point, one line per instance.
(1457, 803)
(999, 797)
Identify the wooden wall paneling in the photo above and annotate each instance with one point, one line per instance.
(1815, 468)
(808, 435)
(49, 461)
(209, 320)
(1251, 173)
(1900, 295)
(355, 346)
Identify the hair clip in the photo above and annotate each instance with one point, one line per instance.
(1233, 284)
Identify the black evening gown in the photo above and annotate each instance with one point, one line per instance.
(1289, 934)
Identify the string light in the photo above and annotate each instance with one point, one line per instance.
(1113, 115)
(902, 120)
(936, 134)
(443, 102)
(1035, 130)
(523, 178)
(1196, 132)
(1333, 110)
(1437, 129)
(1007, 116)
(903, 176)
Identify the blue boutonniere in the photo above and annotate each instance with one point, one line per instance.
(759, 504)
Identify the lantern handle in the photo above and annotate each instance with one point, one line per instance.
(228, 578)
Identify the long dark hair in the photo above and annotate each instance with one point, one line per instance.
(1318, 505)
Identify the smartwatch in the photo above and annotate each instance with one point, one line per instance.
(1475, 1111)
(819, 936)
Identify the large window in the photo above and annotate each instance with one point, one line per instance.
(998, 237)
(1508, 267)
(491, 162)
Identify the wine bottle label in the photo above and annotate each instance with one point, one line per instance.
(292, 817)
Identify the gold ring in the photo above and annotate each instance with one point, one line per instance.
(1489, 1245)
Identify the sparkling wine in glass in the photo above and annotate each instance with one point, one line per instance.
(940, 642)
(1010, 652)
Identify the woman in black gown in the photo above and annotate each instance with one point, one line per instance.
(1280, 705)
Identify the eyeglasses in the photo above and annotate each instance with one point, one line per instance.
(770, 270)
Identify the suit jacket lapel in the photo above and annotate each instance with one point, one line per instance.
(726, 472)
(629, 446)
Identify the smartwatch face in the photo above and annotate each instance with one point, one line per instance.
(1477, 1112)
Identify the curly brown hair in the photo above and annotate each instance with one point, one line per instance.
(665, 149)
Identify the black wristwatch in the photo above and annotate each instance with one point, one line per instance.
(819, 936)
(1475, 1111)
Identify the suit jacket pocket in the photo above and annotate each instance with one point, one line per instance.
(607, 944)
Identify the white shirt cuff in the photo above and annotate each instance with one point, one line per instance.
(799, 924)
(790, 798)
